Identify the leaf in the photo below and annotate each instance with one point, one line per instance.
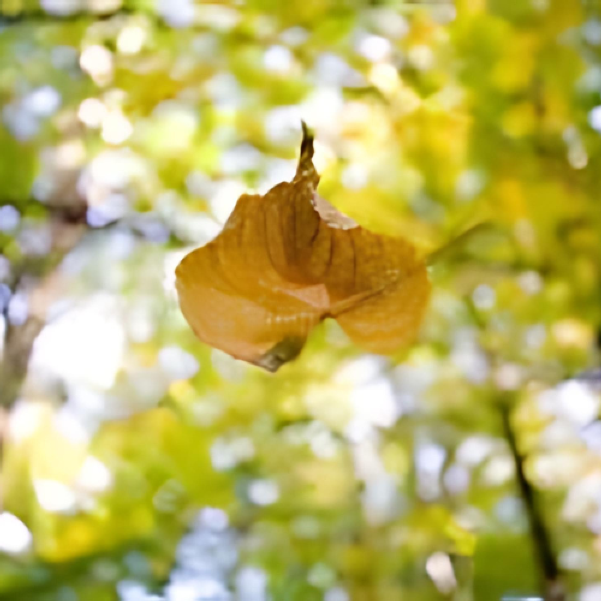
(288, 260)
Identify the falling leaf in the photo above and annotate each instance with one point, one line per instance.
(286, 261)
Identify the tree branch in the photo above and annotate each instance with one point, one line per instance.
(553, 586)
(552, 582)
(18, 346)
(40, 17)
(67, 231)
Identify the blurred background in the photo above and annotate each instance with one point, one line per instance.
(138, 464)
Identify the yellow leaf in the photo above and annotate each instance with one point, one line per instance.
(288, 260)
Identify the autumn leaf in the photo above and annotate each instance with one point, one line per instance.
(286, 261)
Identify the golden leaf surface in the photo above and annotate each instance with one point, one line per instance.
(286, 261)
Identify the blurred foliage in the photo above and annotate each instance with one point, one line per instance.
(138, 464)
